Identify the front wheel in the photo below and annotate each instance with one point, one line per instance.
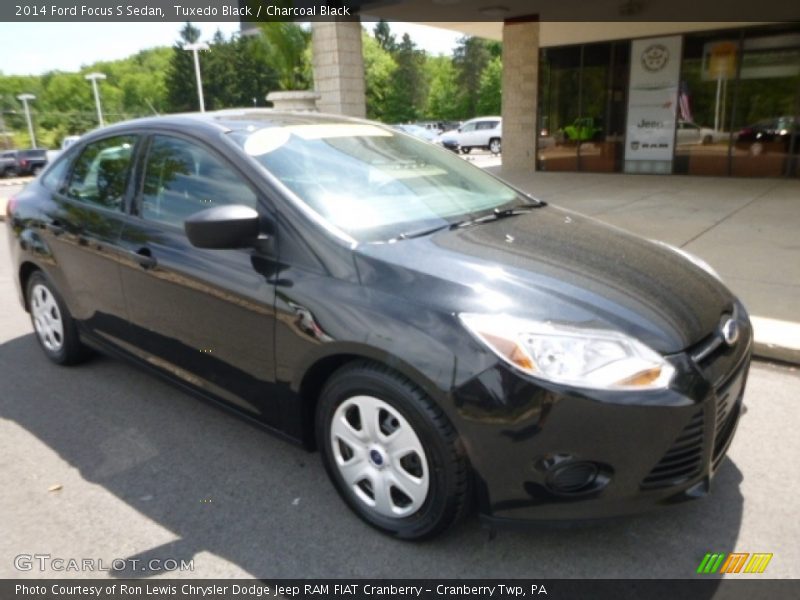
(391, 453)
(495, 146)
(466, 149)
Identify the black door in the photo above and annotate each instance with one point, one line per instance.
(83, 226)
(205, 316)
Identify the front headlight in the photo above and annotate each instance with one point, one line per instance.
(589, 358)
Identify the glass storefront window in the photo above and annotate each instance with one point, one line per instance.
(705, 97)
(738, 104)
(766, 121)
(559, 107)
(582, 107)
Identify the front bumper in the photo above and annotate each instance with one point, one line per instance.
(552, 452)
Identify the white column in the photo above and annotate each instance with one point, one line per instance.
(520, 89)
(339, 67)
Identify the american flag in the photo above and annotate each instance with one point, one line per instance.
(683, 102)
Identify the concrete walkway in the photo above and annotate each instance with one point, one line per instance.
(747, 229)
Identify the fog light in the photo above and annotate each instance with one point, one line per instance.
(572, 477)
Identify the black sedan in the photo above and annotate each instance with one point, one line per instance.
(444, 340)
(780, 134)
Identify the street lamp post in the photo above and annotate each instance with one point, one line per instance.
(194, 49)
(93, 77)
(24, 98)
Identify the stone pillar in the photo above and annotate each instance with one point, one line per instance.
(339, 67)
(520, 90)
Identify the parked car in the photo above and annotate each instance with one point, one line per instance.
(420, 132)
(435, 127)
(763, 134)
(483, 133)
(692, 133)
(18, 163)
(8, 163)
(443, 339)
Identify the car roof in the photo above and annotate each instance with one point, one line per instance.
(224, 121)
(487, 118)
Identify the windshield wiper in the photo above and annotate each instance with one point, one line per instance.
(496, 214)
(407, 235)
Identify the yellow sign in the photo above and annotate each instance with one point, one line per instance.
(720, 60)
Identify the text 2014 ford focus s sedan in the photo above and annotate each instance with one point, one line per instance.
(444, 340)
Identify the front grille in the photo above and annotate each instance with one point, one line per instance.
(684, 459)
(727, 413)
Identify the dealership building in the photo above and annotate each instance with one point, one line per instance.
(623, 90)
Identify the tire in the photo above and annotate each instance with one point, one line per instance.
(707, 139)
(36, 170)
(55, 328)
(406, 474)
(9, 172)
(466, 149)
(495, 146)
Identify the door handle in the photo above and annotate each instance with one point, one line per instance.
(145, 258)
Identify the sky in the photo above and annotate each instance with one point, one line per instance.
(34, 48)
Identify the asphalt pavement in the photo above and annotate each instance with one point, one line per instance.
(104, 461)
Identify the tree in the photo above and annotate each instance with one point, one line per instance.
(287, 55)
(255, 77)
(384, 37)
(443, 89)
(490, 91)
(220, 81)
(379, 68)
(408, 90)
(470, 58)
(181, 84)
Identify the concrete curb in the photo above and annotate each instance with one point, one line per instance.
(776, 340)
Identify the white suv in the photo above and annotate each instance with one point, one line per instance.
(483, 132)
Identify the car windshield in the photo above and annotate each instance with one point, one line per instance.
(371, 183)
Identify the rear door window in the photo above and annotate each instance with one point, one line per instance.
(100, 174)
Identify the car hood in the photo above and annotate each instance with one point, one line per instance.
(555, 265)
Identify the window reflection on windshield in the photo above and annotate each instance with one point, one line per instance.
(372, 183)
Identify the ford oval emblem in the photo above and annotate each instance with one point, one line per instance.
(730, 331)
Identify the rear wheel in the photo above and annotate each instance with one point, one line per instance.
(466, 149)
(36, 170)
(55, 328)
(391, 453)
(495, 147)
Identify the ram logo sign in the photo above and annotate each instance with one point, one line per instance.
(735, 562)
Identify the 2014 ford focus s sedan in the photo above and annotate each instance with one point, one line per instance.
(444, 340)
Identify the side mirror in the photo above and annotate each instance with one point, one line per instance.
(221, 227)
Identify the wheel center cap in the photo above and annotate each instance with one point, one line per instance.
(376, 458)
